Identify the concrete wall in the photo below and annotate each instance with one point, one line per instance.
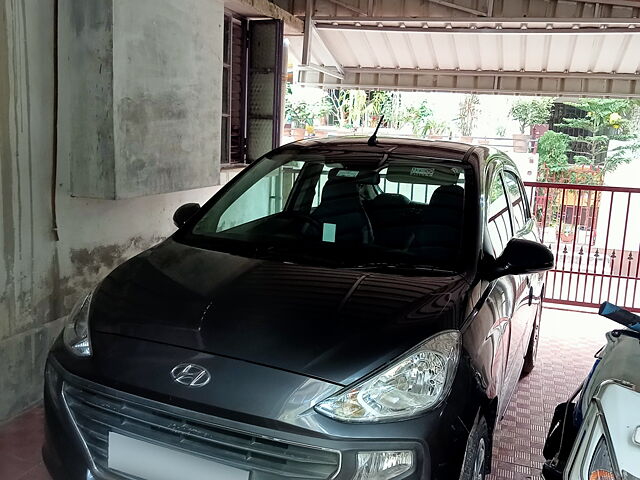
(40, 277)
(28, 265)
(142, 82)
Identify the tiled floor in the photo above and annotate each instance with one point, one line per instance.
(20, 443)
(568, 342)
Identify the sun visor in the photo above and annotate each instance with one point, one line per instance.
(424, 174)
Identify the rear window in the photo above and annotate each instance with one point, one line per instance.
(348, 208)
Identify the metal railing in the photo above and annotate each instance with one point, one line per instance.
(594, 232)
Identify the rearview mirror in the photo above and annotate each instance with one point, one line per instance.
(521, 256)
(184, 213)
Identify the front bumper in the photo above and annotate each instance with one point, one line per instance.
(80, 413)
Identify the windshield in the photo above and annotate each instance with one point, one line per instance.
(343, 208)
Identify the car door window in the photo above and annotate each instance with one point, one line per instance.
(498, 217)
(517, 200)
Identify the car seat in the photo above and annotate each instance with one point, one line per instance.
(392, 219)
(341, 206)
(439, 236)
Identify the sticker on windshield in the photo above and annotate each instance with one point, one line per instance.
(329, 232)
(347, 173)
(422, 171)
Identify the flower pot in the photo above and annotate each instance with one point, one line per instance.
(298, 133)
(466, 139)
(567, 237)
(322, 134)
(435, 137)
(521, 142)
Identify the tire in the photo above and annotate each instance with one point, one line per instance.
(532, 350)
(477, 454)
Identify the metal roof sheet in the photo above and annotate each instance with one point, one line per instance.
(604, 57)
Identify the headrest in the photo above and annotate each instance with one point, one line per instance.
(367, 177)
(390, 200)
(451, 196)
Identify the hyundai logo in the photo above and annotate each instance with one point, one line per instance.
(190, 375)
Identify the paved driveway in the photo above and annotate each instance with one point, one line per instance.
(567, 345)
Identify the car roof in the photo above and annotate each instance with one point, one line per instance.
(398, 144)
(482, 158)
(408, 146)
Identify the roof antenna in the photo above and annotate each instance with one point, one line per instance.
(373, 139)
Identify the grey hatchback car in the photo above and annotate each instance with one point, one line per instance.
(343, 309)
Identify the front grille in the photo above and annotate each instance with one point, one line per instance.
(96, 414)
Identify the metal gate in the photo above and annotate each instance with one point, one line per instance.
(594, 232)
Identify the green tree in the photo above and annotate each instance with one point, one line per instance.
(468, 114)
(554, 161)
(531, 112)
(606, 119)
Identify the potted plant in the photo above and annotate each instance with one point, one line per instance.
(438, 129)
(300, 115)
(567, 233)
(420, 119)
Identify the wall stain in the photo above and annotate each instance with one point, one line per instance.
(91, 264)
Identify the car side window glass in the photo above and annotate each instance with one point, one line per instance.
(498, 218)
(518, 208)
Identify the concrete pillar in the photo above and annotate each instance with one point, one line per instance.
(29, 295)
(140, 95)
(115, 111)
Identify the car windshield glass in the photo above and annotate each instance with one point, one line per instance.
(343, 208)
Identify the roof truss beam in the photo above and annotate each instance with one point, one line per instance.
(496, 28)
(311, 39)
(460, 8)
(528, 83)
(348, 6)
(491, 73)
(617, 3)
(477, 21)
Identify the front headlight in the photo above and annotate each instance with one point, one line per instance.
(419, 380)
(76, 333)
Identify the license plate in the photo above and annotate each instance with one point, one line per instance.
(153, 462)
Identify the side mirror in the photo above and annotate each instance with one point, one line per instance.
(520, 257)
(184, 213)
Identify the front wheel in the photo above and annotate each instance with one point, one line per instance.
(477, 453)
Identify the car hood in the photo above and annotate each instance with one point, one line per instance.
(332, 324)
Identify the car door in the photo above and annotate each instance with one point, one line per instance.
(513, 288)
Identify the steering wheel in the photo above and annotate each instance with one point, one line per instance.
(306, 219)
